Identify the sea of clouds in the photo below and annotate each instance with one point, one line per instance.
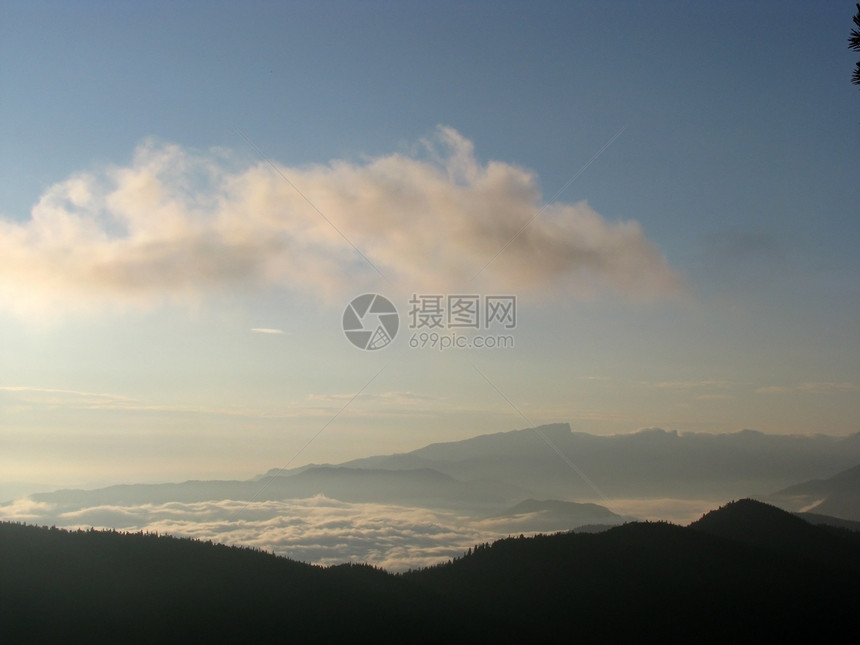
(327, 531)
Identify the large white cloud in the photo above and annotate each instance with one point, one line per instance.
(176, 224)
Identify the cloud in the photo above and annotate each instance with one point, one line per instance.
(25, 510)
(318, 529)
(61, 399)
(690, 385)
(810, 388)
(176, 225)
(327, 531)
(55, 397)
(397, 398)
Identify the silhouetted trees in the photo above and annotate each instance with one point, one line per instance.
(745, 573)
(854, 45)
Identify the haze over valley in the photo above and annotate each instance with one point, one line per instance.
(420, 508)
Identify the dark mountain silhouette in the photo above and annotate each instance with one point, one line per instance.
(728, 578)
(763, 525)
(593, 528)
(837, 496)
(659, 582)
(87, 586)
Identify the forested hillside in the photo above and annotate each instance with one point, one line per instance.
(723, 577)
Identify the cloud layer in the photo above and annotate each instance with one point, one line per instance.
(322, 530)
(317, 529)
(177, 224)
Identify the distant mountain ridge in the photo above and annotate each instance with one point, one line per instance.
(555, 506)
(837, 496)
(491, 472)
(532, 515)
(418, 486)
(829, 520)
(648, 463)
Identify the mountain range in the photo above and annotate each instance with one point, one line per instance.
(412, 509)
(747, 572)
(491, 472)
(837, 496)
(552, 515)
(552, 461)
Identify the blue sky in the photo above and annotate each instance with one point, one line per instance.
(172, 171)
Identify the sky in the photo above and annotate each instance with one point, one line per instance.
(666, 194)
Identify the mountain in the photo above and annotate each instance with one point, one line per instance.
(728, 578)
(423, 486)
(837, 496)
(420, 486)
(659, 582)
(483, 476)
(548, 516)
(549, 462)
(763, 525)
(93, 586)
(546, 462)
(827, 520)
